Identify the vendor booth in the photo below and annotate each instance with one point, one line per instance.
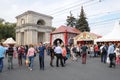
(86, 37)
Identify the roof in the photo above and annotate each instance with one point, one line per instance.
(98, 36)
(33, 12)
(114, 35)
(68, 29)
(87, 36)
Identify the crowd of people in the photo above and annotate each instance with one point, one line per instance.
(61, 52)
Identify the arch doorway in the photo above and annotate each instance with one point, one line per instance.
(57, 41)
(40, 22)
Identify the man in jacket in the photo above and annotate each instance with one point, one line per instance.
(111, 55)
(41, 50)
(10, 56)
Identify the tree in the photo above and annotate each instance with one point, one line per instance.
(7, 30)
(71, 21)
(1, 20)
(53, 28)
(82, 23)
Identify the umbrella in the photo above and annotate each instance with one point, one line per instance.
(9, 41)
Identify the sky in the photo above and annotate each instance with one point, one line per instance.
(101, 14)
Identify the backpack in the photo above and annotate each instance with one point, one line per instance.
(21, 51)
(104, 50)
(74, 49)
(10, 51)
(68, 50)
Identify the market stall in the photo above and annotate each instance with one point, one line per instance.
(86, 37)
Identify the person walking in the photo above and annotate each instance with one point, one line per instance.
(111, 55)
(73, 50)
(30, 55)
(10, 56)
(58, 53)
(21, 52)
(78, 50)
(104, 50)
(41, 50)
(51, 50)
(96, 49)
(2, 55)
(84, 53)
(68, 51)
(117, 52)
(26, 51)
(64, 53)
(91, 50)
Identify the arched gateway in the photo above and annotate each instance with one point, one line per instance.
(33, 27)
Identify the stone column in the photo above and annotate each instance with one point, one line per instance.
(47, 37)
(18, 38)
(25, 37)
(34, 37)
(29, 37)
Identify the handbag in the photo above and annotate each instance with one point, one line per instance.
(108, 60)
(27, 62)
(34, 54)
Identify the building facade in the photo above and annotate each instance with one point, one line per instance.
(32, 28)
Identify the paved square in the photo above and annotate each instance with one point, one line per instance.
(93, 70)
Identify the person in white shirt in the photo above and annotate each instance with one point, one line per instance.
(111, 55)
(58, 53)
(91, 50)
(72, 53)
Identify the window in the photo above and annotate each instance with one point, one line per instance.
(41, 22)
(22, 21)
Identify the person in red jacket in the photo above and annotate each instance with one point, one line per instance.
(96, 49)
(21, 52)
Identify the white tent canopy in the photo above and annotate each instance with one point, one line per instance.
(112, 36)
(9, 41)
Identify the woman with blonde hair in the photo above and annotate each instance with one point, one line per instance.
(30, 56)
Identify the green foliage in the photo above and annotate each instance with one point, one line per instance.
(7, 30)
(1, 20)
(71, 21)
(82, 23)
(53, 28)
